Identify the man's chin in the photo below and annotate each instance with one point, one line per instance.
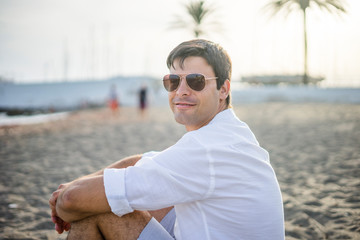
(181, 118)
(180, 121)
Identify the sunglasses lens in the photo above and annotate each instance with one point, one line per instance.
(196, 81)
(171, 82)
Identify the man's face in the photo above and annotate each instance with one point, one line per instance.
(191, 108)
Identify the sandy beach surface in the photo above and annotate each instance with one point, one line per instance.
(314, 149)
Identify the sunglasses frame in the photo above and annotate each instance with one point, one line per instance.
(204, 79)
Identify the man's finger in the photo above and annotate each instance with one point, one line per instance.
(53, 198)
(61, 186)
(59, 225)
(59, 228)
(67, 226)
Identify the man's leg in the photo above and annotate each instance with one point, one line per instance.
(109, 226)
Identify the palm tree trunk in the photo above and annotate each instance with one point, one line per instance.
(305, 76)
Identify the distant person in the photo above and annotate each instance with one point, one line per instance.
(143, 99)
(216, 182)
(113, 101)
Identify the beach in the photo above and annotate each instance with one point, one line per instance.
(314, 149)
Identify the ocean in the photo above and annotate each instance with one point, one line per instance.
(67, 96)
(71, 94)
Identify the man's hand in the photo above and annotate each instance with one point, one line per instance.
(60, 225)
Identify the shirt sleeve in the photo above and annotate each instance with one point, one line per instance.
(146, 156)
(179, 174)
(114, 183)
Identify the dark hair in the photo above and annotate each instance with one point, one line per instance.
(213, 53)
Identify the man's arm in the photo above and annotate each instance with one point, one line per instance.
(83, 197)
(123, 163)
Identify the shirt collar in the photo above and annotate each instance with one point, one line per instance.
(223, 115)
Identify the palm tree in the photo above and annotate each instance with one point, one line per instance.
(332, 6)
(199, 14)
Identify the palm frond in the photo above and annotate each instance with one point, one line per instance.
(198, 11)
(288, 5)
(332, 6)
(277, 6)
(199, 14)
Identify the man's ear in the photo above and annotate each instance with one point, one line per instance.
(225, 90)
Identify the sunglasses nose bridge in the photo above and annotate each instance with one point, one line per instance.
(182, 78)
(183, 85)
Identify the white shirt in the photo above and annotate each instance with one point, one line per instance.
(218, 178)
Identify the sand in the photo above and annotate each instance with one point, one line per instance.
(314, 149)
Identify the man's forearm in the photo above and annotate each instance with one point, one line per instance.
(82, 198)
(123, 163)
(85, 196)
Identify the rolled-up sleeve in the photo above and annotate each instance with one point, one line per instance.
(114, 183)
(161, 179)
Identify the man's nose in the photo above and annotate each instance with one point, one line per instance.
(183, 88)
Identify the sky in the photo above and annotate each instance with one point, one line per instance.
(56, 40)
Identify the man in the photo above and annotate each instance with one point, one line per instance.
(217, 177)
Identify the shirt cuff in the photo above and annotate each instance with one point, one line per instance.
(114, 183)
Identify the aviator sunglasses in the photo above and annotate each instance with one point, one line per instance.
(195, 81)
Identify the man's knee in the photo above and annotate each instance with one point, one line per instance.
(109, 226)
(85, 229)
(128, 226)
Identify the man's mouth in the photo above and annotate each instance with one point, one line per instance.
(184, 104)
